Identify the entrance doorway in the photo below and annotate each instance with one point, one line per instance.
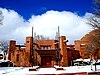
(46, 60)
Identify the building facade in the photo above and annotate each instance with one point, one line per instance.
(42, 52)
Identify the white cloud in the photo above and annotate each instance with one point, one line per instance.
(15, 27)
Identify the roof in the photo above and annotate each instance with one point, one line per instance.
(70, 45)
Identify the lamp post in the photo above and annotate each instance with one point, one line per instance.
(91, 61)
(96, 60)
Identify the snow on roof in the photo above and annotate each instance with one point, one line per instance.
(79, 59)
(98, 60)
(87, 60)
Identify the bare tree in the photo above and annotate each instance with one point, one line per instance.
(94, 38)
(4, 44)
(92, 45)
(90, 49)
(94, 22)
(1, 18)
(96, 8)
(4, 48)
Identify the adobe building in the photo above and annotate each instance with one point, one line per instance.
(72, 54)
(42, 52)
(89, 45)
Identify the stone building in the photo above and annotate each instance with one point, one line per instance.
(42, 52)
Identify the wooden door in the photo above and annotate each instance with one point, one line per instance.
(46, 60)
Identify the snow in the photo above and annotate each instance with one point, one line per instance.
(25, 70)
(79, 59)
(12, 71)
(87, 60)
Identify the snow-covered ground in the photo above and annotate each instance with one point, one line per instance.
(25, 70)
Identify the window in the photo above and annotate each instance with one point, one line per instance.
(48, 47)
(84, 54)
(17, 57)
(42, 48)
(27, 41)
(45, 47)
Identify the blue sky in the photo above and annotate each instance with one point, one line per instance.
(27, 8)
(45, 16)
